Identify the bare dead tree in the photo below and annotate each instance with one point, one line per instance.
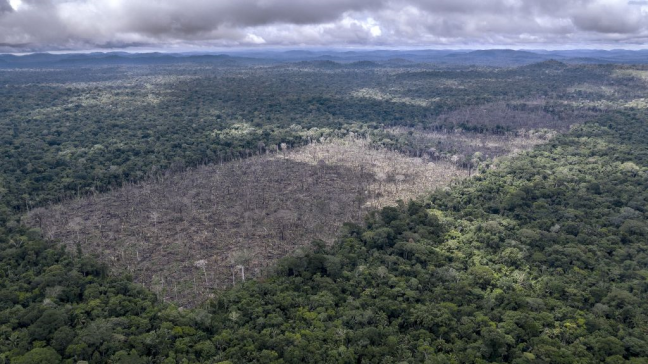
(267, 205)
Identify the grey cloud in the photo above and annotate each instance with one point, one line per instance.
(79, 24)
(195, 16)
(608, 18)
(517, 22)
(5, 7)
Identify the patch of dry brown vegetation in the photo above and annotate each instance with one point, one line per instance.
(184, 234)
(462, 145)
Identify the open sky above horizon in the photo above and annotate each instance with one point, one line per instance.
(194, 25)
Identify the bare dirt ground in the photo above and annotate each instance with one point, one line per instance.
(185, 234)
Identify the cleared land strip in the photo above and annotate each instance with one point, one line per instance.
(185, 234)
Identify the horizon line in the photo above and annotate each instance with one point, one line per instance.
(314, 49)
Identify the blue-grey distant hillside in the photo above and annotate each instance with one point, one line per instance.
(325, 58)
(121, 58)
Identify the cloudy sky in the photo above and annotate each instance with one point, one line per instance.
(39, 25)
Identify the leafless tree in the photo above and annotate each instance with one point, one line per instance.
(225, 223)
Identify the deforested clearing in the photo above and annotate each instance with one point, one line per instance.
(184, 234)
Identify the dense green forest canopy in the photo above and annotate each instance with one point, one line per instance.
(542, 258)
(69, 132)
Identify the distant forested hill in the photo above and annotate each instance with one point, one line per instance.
(542, 259)
(400, 58)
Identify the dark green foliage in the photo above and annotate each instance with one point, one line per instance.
(65, 133)
(527, 263)
(541, 260)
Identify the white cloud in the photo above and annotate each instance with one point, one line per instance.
(15, 4)
(254, 39)
(79, 24)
